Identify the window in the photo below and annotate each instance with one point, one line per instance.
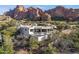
(51, 29)
(31, 30)
(48, 29)
(37, 30)
(44, 30)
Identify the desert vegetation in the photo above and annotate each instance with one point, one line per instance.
(64, 40)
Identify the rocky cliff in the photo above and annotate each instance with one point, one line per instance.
(33, 14)
(20, 12)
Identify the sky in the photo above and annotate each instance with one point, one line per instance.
(4, 8)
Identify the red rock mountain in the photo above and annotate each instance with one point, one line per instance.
(20, 12)
(64, 13)
(27, 13)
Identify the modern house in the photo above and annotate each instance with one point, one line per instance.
(41, 32)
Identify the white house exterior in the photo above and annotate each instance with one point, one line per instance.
(41, 32)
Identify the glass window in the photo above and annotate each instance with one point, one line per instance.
(48, 29)
(44, 30)
(51, 29)
(31, 30)
(37, 30)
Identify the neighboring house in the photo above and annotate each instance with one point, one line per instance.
(41, 32)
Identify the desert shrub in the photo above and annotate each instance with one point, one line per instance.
(33, 44)
(1, 50)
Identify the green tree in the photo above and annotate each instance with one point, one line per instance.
(33, 44)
